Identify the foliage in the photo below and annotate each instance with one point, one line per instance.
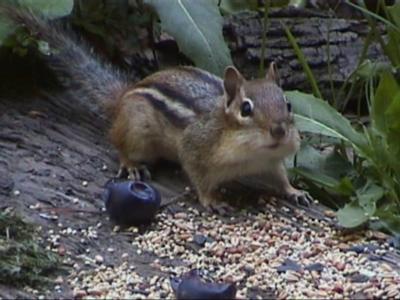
(302, 60)
(49, 8)
(23, 261)
(234, 6)
(361, 167)
(197, 28)
(368, 175)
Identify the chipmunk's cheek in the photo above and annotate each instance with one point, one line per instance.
(293, 141)
(288, 145)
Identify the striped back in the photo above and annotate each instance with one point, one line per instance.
(181, 93)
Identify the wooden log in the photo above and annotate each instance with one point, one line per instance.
(331, 46)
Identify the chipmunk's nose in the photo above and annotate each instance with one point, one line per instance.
(278, 130)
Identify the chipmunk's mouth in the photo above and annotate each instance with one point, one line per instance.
(274, 146)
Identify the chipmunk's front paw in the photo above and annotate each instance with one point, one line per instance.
(221, 208)
(140, 173)
(300, 197)
(212, 205)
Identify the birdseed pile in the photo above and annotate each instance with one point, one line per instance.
(265, 253)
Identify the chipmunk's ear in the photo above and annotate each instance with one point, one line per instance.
(272, 73)
(233, 82)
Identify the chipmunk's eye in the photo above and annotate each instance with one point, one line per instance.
(246, 108)
(289, 107)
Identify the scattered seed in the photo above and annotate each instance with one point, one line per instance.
(79, 294)
(84, 183)
(255, 250)
(99, 259)
(329, 213)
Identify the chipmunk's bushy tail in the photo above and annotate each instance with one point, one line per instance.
(76, 67)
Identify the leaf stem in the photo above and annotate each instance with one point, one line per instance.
(303, 61)
(328, 54)
(261, 71)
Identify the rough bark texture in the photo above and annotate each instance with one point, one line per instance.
(324, 41)
(339, 50)
(336, 42)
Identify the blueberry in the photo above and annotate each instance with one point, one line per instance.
(131, 202)
(191, 286)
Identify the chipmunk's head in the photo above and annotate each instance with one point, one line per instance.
(260, 113)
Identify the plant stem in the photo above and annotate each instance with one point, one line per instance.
(303, 62)
(328, 53)
(363, 54)
(261, 71)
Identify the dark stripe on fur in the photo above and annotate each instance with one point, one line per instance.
(175, 118)
(206, 77)
(171, 93)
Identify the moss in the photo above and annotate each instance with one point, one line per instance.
(23, 260)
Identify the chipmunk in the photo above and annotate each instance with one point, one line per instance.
(219, 129)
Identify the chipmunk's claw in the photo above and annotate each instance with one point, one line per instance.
(122, 172)
(146, 173)
(141, 173)
(300, 197)
(221, 208)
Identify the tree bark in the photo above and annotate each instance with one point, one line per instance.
(330, 44)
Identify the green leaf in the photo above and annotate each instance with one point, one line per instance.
(369, 69)
(197, 28)
(392, 114)
(310, 158)
(233, 6)
(392, 47)
(368, 196)
(389, 215)
(342, 187)
(394, 12)
(321, 180)
(316, 116)
(6, 28)
(50, 8)
(374, 15)
(393, 128)
(387, 91)
(329, 162)
(298, 3)
(352, 215)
